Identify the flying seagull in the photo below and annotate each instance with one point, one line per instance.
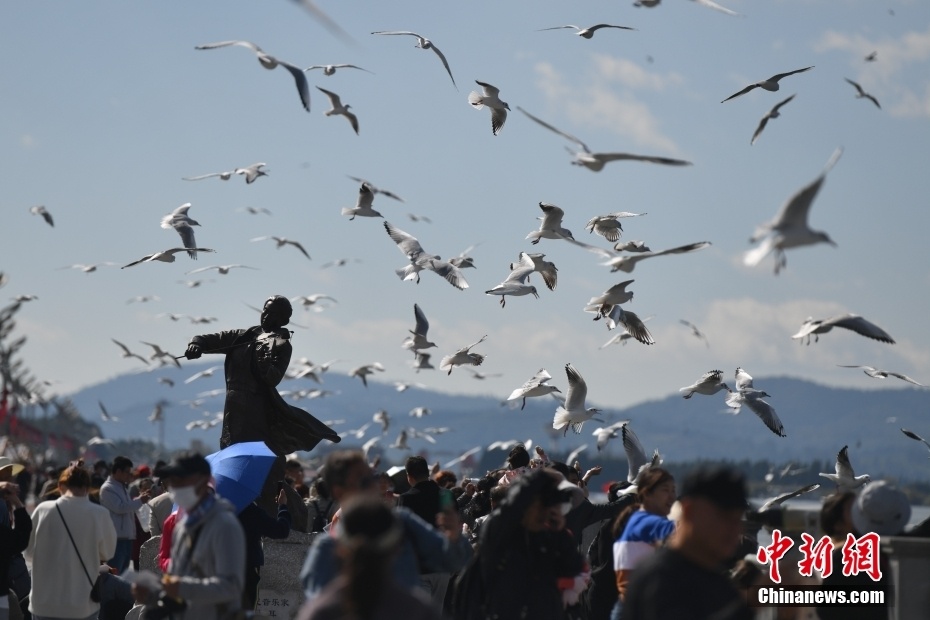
(420, 260)
(596, 161)
(105, 415)
(588, 32)
(270, 62)
(695, 331)
(165, 256)
(780, 499)
(852, 322)
(89, 268)
(604, 303)
(605, 434)
(628, 263)
(916, 437)
(221, 269)
(463, 357)
(181, 222)
(421, 362)
(255, 210)
(713, 5)
(545, 268)
(249, 172)
(363, 371)
(770, 84)
(637, 461)
(537, 385)
(608, 226)
(516, 283)
(631, 246)
(773, 113)
(710, 383)
(621, 337)
(463, 260)
(376, 190)
(882, 374)
(127, 353)
(425, 44)
(159, 353)
(573, 413)
(631, 322)
(417, 341)
(789, 229)
(282, 241)
(40, 210)
(202, 374)
(550, 226)
(312, 300)
(845, 478)
(491, 100)
(337, 108)
(362, 204)
(861, 94)
(331, 69)
(765, 411)
(871, 57)
(319, 15)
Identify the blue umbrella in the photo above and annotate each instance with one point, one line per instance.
(240, 471)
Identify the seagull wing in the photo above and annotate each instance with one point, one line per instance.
(299, 247)
(634, 325)
(422, 325)
(713, 5)
(781, 103)
(498, 118)
(861, 326)
(843, 466)
(606, 157)
(489, 90)
(408, 244)
(211, 46)
(599, 26)
(469, 347)
(916, 437)
(762, 124)
(682, 249)
(567, 136)
(767, 414)
(391, 32)
(452, 274)
(779, 500)
(187, 238)
(559, 28)
(743, 379)
(779, 76)
(794, 212)
(521, 269)
(552, 217)
(334, 99)
(905, 378)
(203, 176)
(445, 63)
(635, 454)
(577, 390)
(742, 92)
(300, 80)
(121, 346)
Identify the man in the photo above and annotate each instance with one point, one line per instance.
(684, 581)
(348, 475)
(206, 574)
(256, 360)
(114, 496)
(422, 498)
(160, 509)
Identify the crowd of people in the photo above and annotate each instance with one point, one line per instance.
(521, 542)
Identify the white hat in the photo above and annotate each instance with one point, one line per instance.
(15, 468)
(881, 508)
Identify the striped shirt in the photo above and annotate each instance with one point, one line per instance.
(638, 541)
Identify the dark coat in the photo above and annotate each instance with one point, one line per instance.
(422, 499)
(13, 540)
(257, 523)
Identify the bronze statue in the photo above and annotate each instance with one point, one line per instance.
(256, 360)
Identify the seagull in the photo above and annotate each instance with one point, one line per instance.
(779, 500)
(789, 229)
(637, 461)
(603, 303)
(713, 5)
(588, 32)
(753, 399)
(537, 385)
(339, 262)
(606, 434)
(631, 322)
(159, 353)
(249, 172)
(621, 338)
(41, 210)
(419, 218)
(420, 260)
(377, 190)
(337, 108)
(462, 457)
(628, 263)
(504, 445)
(203, 373)
(381, 417)
(695, 331)
(143, 299)
(105, 415)
(853, 322)
(221, 269)
(481, 376)
(362, 372)
(180, 221)
(871, 57)
(419, 412)
(165, 256)
(770, 84)
(319, 15)
(357, 433)
(90, 268)
(423, 43)
(127, 353)
(573, 413)
(403, 386)
(845, 478)
(417, 341)
(331, 69)
(311, 300)
(421, 362)
(546, 269)
(270, 62)
(596, 161)
(773, 113)
(916, 437)
(463, 357)
(255, 210)
(882, 374)
(401, 442)
(282, 241)
(158, 413)
(491, 99)
(608, 226)
(861, 94)
(166, 381)
(516, 283)
(463, 260)
(363, 204)
(744, 384)
(551, 225)
(710, 383)
(631, 246)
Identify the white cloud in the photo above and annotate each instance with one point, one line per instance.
(594, 102)
(27, 141)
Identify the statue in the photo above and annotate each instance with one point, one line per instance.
(256, 360)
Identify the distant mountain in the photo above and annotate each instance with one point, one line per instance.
(818, 420)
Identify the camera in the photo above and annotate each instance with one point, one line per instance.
(164, 608)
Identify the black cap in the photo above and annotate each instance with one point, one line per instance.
(724, 486)
(185, 464)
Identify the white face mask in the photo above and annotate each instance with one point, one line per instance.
(184, 497)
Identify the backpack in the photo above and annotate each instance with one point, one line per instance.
(319, 519)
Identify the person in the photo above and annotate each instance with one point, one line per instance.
(15, 528)
(321, 506)
(422, 498)
(256, 360)
(64, 566)
(369, 538)
(114, 496)
(206, 572)
(159, 509)
(256, 523)
(100, 474)
(642, 527)
(20, 581)
(684, 580)
(518, 462)
(445, 478)
(523, 552)
(423, 548)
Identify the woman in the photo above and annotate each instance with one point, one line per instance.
(64, 567)
(368, 538)
(13, 540)
(642, 527)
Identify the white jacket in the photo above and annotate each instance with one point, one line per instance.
(60, 588)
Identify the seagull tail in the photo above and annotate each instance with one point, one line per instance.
(476, 100)
(754, 256)
(562, 419)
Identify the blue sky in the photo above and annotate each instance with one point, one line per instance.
(106, 105)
